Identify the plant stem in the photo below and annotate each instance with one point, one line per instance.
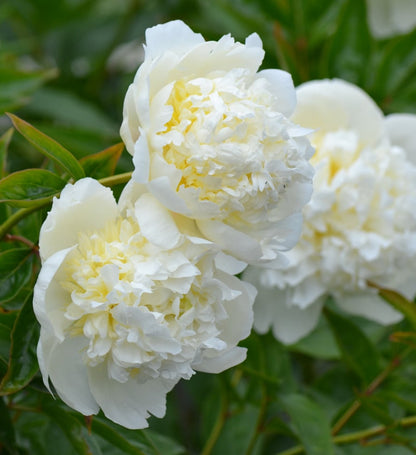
(19, 238)
(358, 435)
(22, 213)
(218, 426)
(116, 179)
(370, 389)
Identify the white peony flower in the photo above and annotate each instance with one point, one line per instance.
(359, 225)
(211, 139)
(391, 17)
(129, 304)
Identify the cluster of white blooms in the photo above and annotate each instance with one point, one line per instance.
(135, 295)
(360, 224)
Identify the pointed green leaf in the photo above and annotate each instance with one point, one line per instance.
(309, 423)
(113, 437)
(16, 278)
(21, 188)
(356, 348)
(11, 259)
(350, 47)
(7, 320)
(7, 432)
(74, 431)
(49, 147)
(4, 144)
(102, 164)
(23, 362)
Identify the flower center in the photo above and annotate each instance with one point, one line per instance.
(222, 135)
(139, 306)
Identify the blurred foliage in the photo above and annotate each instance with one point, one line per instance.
(347, 389)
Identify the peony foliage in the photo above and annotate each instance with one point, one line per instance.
(207, 227)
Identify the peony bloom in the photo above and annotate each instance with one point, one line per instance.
(387, 18)
(129, 304)
(360, 223)
(211, 139)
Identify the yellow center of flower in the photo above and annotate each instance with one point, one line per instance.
(136, 303)
(222, 135)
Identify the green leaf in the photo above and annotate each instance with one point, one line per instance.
(22, 188)
(318, 344)
(102, 164)
(72, 428)
(78, 112)
(112, 436)
(49, 147)
(309, 423)
(357, 350)
(7, 320)
(23, 363)
(146, 442)
(10, 260)
(16, 85)
(4, 144)
(395, 75)
(350, 47)
(16, 268)
(7, 432)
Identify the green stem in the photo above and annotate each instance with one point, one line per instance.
(259, 374)
(259, 423)
(358, 435)
(218, 426)
(369, 390)
(116, 179)
(22, 213)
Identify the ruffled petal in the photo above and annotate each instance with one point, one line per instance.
(84, 206)
(128, 403)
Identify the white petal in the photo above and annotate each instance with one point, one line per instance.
(330, 105)
(282, 87)
(229, 264)
(221, 362)
(68, 374)
(129, 403)
(163, 191)
(84, 206)
(129, 130)
(401, 129)
(239, 310)
(369, 305)
(141, 160)
(174, 36)
(128, 197)
(49, 297)
(156, 223)
(289, 322)
(230, 240)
